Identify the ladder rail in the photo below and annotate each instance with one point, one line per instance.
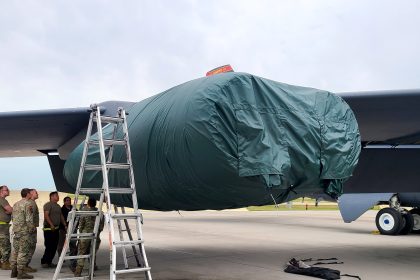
(134, 195)
(83, 161)
(104, 195)
(130, 236)
(64, 250)
(79, 183)
(111, 235)
(121, 113)
(121, 238)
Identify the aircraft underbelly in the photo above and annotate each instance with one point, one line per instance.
(383, 170)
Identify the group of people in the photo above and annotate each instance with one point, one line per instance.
(24, 215)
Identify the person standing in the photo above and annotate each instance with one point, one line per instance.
(22, 217)
(86, 225)
(5, 218)
(32, 245)
(52, 220)
(65, 210)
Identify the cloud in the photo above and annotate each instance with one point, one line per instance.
(74, 53)
(63, 54)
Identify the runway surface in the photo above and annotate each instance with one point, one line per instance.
(242, 245)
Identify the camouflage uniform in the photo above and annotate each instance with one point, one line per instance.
(33, 235)
(23, 227)
(86, 225)
(5, 246)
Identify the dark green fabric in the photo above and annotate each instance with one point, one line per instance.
(229, 140)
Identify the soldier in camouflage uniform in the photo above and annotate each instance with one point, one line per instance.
(86, 225)
(33, 196)
(5, 217)
(23, 226)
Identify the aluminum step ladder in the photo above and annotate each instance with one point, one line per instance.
(108, 139)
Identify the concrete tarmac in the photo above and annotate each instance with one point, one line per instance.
(242, 245)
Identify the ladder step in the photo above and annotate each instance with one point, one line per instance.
(75, 278)
(107, 119)
(126, 216)
(77, 257)
(132, 270)
(82, 236)
(86, 213)
(93, 167)
(127, 243)
(111, 190)
(90, 191)
(108, 165)
(109, 142)
(121, 190)
(118, 165)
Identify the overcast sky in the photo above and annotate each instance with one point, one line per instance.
(56, 54)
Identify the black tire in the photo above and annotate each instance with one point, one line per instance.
(408, 224)
(389, 221)
(415, 212)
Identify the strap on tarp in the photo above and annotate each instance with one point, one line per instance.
(327, 259)
(353, 276)
(320, 261)
(317, 263)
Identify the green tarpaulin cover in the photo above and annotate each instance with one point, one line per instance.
(231, 140)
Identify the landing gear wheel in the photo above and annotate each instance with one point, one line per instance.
(389, 221)
(415, 212)
(408, 224)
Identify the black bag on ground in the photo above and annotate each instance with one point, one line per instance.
(319, 272)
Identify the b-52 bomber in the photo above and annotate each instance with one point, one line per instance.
(234, 140)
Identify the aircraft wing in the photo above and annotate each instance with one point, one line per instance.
(35, 133)
(46, 132)
(384, 117)
(387, 117)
